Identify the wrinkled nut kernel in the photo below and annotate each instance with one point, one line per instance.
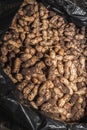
(46, 58)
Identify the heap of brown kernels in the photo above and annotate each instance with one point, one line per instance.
(45, 57)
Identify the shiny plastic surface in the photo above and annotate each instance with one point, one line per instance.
(72, 10)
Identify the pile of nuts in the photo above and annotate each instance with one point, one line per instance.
(46, 58)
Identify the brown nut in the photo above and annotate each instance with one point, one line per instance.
(20, 86)
(40, 101)
(24, 57)
(19, 77)
(30, 62)
(64, 100)
(17, 64)
(33, 93)
(60, 67)
(27, 90)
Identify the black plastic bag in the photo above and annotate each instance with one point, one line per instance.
(28, 118)
(73, 10)
(8, 124)
(8, 8)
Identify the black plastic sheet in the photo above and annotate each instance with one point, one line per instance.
(73, 10)
(27, 117)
